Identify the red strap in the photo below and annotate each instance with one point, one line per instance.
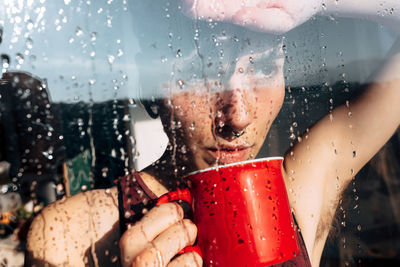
(191, 249)
(179, 194)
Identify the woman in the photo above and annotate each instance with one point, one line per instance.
(221, 119)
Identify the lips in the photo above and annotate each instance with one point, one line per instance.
(230, 154)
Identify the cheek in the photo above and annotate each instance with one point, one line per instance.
(193, 112)
(278, 97)
(267, 110)
(269, 102)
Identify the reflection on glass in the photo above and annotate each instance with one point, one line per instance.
(150, 91)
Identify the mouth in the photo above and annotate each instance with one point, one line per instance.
(230, 154)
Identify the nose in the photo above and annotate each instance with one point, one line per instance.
(234, 114)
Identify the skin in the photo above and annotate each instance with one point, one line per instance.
(249, 102)
(276, 16)
(316, 170)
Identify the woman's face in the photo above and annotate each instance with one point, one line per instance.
(216, 122)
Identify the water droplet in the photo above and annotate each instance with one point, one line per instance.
(78, 31)
(48, 154)
(29, 25)
(251, 60)
(14, 39)
(20, 58)
(32, 58)
(241, 70)
(126, 118)
(359, 227)
(5, 61)
(181, 84)
(29, 43)
(183, 149)
(331, 117)
(110, 59)
(120, 52)
(93, 36)
(109, 21)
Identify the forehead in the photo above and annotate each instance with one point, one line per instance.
(175, 46)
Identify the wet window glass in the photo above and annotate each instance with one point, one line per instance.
(206, 133)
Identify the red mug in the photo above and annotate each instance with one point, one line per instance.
(242, 214)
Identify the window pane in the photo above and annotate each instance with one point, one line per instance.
(107, 105)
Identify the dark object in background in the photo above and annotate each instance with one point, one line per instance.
(107, 142)
(8, 222)
(30, 135)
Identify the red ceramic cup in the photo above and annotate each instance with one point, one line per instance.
(242, 213)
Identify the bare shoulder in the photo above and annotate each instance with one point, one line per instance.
(71, 231)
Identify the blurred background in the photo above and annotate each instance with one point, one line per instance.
(72, 119)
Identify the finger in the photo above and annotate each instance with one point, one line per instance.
(168, 244)
(190, 259)
(271, 20)
(156, 221)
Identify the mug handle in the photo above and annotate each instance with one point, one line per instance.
(183, 195)
(179, 194)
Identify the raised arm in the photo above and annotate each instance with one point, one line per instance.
(383, 12)
(340, 144)
(343, 141)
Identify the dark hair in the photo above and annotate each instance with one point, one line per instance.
(152, 108)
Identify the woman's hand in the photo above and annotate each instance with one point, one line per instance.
(157, 238)
(280, 16)
(273, 16)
